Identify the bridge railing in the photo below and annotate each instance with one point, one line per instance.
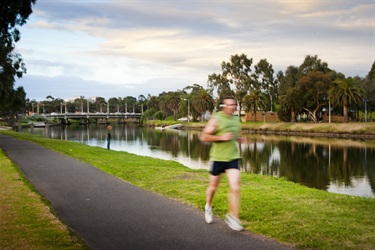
(93, 115)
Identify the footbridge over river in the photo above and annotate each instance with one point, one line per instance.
(85, 117)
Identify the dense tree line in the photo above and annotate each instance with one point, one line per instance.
(306, 89)
(313, 85)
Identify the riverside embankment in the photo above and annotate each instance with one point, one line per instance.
(349, 130)
(333, 130)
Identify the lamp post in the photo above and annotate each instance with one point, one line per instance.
(188, 109)
(366, 109)
(271, 104)
(329, 110)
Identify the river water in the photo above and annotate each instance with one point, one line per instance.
(335, 165)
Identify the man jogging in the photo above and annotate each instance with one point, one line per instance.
(223, 131)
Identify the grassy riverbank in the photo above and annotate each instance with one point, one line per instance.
(302, 217)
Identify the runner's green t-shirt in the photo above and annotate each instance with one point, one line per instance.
(226, 150)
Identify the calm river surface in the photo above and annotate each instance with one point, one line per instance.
(334, 165)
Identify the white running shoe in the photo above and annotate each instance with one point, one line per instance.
(233, 223)
(208, 216)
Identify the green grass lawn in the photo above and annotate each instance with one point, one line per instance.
(291, 213)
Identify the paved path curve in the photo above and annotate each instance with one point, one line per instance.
(108, 213)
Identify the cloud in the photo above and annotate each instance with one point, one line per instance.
(168, 45)
(39, 87)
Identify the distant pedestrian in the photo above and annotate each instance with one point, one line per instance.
(109, 137)
(223, 130)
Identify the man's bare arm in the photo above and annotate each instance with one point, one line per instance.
(208, 133)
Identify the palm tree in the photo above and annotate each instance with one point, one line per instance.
(203, 101)
(162, 103)
(173, 100)
(254, 101)
(344, 93)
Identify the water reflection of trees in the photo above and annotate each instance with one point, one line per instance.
(303, 163)
(256, 158)
(311, 164)
(178, 142)
(368, 162)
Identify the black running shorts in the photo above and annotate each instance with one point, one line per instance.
(218, 167)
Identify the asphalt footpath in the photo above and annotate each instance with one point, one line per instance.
(109, 213)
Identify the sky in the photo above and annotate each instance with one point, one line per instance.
(119, 48)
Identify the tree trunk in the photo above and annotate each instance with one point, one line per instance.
(293, 114)
(255, 115)
(312, 115)
(239, 110)
(346, 113)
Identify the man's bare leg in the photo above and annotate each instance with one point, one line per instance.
(234, 192)
(214, 181)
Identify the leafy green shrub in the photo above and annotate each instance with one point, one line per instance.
(160, 115)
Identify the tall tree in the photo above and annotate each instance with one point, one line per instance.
(312, 63)
(220, 83)
(314, 79)
(344, 93)
(314, 86)
(12, 14)
(288, 80)
(268, 84)
(236, 78)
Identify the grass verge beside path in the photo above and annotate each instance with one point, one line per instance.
(26, 222)
(302, 217)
